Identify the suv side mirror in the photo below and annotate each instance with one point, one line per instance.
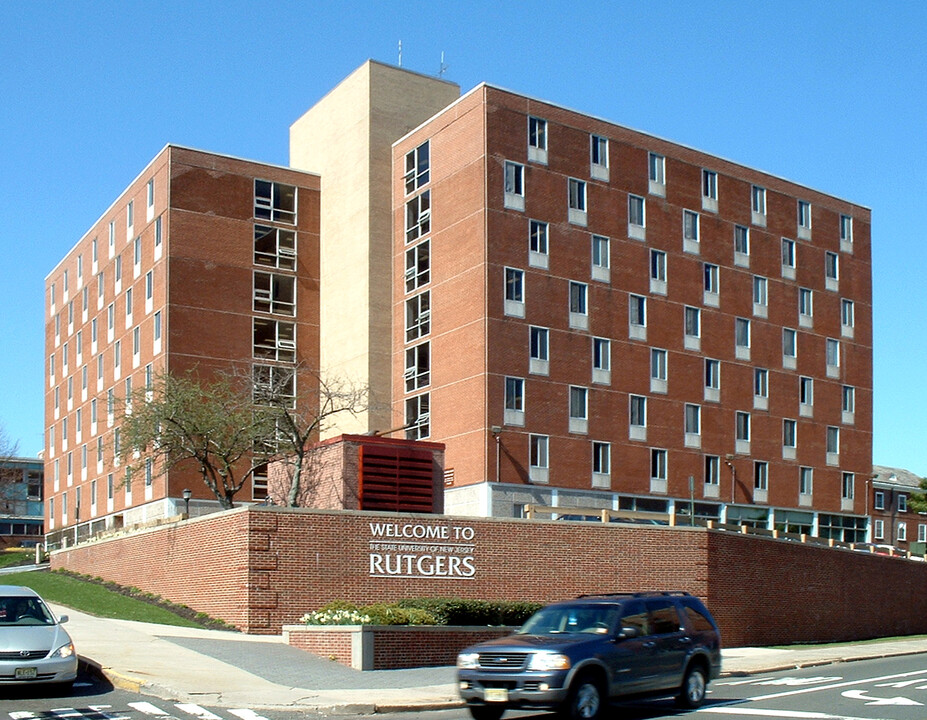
(629, 632)
(62, 619)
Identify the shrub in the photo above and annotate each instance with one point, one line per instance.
(458, 611)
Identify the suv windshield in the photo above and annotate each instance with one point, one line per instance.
(571, 619)
(24, 611)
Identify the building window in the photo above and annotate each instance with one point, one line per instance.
(274, 247)
(539, 338)
(417, 166)
(804, 219)
(158, 237)
(600, 258)
(805, 481)
(657, 174)
(846, 233)
(638, 411)
(601, 360)
(833, 445)
(848, 490)
(805, 306)
(760, 295)
(658, 272)
(514, 185)
(418, 365)
(709, 190)
(760, 383)
(658, 370)
(693, 419)
(130, 221)
(712, 276)
(831, 270)
(157, 326)
(598, 154)
(902, 533)
(657, 464)
(275, 201)
(849, 399)
(742, 338)
(690, 231)
(270, 385)
(833, 356)
(902, 503)
(789, 343)
(576, 195)
(537, 140)
(760, 475)
(758, 203)
(514, 292)
(847, 318)
(788, 253)
(149, 198)
(537, 243)
(637, 218)
(601, 458)
(418, 266)
(712, 374)
(538, 459)
(418, 417)
(692, 322)
(921, 532)
(879, 500)
(579, 314)
(514, 401)
(418, 316)
(274, 293)
(418, 216)
(878, 530)
(712, 470)
(579, 409)
(742, 426)
(274, 340)
(789, 433)
(806, 391)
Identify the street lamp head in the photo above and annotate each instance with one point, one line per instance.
(187, 494)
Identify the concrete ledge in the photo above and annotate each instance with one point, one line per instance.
(389, 647)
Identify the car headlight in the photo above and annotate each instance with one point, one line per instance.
(65, 651)
(549, 661)
(468, 660)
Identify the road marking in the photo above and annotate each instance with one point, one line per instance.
(99, 709)
(796, 714)
(834, 686)
(198, 711)
(748, 681)
(861, 695)
(246, 714)
(798, 681)
(149, 709)
(903, 683)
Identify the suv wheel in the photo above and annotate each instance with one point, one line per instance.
(485, 712)
(692, 692)
(586, 700)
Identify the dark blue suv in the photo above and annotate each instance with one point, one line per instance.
(575, 656)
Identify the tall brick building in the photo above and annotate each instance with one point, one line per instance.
(203, 261)
(583, 314)
(587, 315)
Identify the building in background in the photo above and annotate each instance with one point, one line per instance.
(21, 508)
(203, 262)
(893, 521)
(590, 316)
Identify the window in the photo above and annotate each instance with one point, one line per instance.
(118, 271)
(760, 295)
(271, 385)
(417, 166)
(804, 219)
(538, 457)
(692, 321)
(539, 339)
(537, 243)
(418, 417)
(129, 305)
(760, 475)
(833, 356)
(418, 316)
(657, 174)
(690, 234)
(579, 314)
(157, 326)
(112, 237)
(274, 339)
(902, 533)
(514, 185)
(117, 356)
(658, 370)
(417, 373)
(130, 217)
(833, 444)
(657, 464)
(537, 140)
(878, 530)
(637, 316)
(658, 272)
(418, 266)
(846, 314)
(712, 470)
(638, 411)
(274, 293)
(879, 500)
(137, 251)
(598, 149)
(712, 377)
(742, 337)
(805, 481)
(149, 285)
(921, 532)
(514, 401)
(849, 399)
(275, 201)
(789, 345)
(149, 198)
(846, 233)
(600, 258)
(831, 270)
(758, 202)
(760, 383)
(158, 237)
(848, 491)
(274, 247)
(712, 276)
(637, 218)
(601, 458)
(788, 253)
(806, 391)
(579, 408)
(693, 419)
(789, 433)
(514, 292)
(136, 341)
(902, 503)
(576, 192)
(601, 360)
(709, 190)
(805, 306)
(742, 426)
(418, 216)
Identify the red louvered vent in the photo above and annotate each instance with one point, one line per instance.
(396, 479)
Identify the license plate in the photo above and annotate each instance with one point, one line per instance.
(496, 695)
(30, 673)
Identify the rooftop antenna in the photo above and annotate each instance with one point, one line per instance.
(400, 53)
(443, 67)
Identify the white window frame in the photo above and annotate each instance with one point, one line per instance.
(514, 292)
(538, 350)
(514, 185)
(417, 168)
(709, 190)
(538, 244)
(578, 305)
(656, 174)
(691, 235)
(637, 217)
(537, 140)
(659, 370)
(577, 201)
(578, 405)
(598, 157)
(418, 216)
(514, 401)
(539, 458)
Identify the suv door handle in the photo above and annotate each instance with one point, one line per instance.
(650, 645)
(685, 640)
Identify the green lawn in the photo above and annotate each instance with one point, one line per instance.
(93, 599)
(16, 556)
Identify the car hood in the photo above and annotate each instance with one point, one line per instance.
(33, 637)
(527, 643)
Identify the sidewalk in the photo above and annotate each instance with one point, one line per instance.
(229, 669)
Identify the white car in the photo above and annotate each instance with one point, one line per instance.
(34, 648)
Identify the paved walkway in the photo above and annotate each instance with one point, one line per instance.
(229, 669)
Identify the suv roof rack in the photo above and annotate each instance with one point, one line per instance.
(652, 593)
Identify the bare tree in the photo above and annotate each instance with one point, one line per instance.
(299, 420)
(209, 423)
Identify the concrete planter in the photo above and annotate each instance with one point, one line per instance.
(388, 647)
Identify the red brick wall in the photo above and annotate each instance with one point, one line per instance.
(262, 568)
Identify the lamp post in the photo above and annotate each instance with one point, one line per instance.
(496, 433)
(187, 494)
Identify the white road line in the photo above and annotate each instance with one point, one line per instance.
(197, 711)
(66, 713)
(833, 686)
(22, 715)
(101, 710)
(246, 714)
(748, 681)
(148, 709)
(796, 714)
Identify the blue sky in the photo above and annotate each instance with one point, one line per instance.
(829, 95)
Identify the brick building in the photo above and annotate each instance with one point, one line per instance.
(21, 508)
(587, 315)
(584, 315)
(203, 261)
(894, 522)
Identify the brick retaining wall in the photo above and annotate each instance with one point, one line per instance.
(262, 568)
